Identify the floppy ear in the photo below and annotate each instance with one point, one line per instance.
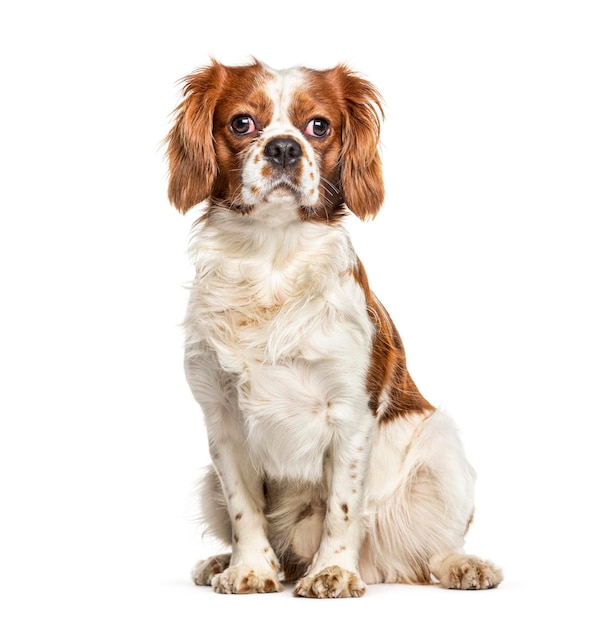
(360, 164)
(190, 147)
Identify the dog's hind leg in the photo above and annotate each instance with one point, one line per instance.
(463, 571)
(204, 571)
(417, 534)
(215, 518)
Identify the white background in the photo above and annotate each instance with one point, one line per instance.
(483, 254)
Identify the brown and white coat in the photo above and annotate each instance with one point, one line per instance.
(329, 467)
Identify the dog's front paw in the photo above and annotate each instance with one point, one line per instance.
(331, 582)
(244, 579)
(461, 571)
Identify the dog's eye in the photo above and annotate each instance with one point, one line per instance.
(318, 127)
(242, 125)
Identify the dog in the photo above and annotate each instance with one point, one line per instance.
(329, 469)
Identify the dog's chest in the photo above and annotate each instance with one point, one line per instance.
(295, 333)
(295, 299)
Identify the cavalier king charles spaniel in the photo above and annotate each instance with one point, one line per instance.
(329, 469)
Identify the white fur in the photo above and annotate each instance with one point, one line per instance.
(278, 348)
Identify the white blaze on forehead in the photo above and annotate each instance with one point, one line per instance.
(281, 90)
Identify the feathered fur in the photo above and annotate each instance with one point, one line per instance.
(329, 466)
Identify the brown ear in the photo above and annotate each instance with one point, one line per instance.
(360, 164)
(190, 148)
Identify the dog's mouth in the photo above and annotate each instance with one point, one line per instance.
(279, 190)
(283, 189)
(281, 193)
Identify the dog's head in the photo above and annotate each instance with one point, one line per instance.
(246, 136)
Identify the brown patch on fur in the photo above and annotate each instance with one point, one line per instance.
(190, 149)
(238, 517)
(345, 510)
(361, 167)
(267, 170)
(348, 157)
(320, 98)
(388, 377)
(244, 586)
(270, 585)
(204, 154)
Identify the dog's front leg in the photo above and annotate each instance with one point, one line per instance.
(253, 566)
(334, 569)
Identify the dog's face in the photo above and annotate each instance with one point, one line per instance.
(248, 136)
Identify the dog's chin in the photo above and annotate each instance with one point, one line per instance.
(282, 196)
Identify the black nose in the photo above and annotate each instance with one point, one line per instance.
(283, 151)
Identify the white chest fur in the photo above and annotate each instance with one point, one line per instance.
(284, 316)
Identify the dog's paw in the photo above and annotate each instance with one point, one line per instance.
(204, 571)
(461, 571)
(332, 582)
(244, 579)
